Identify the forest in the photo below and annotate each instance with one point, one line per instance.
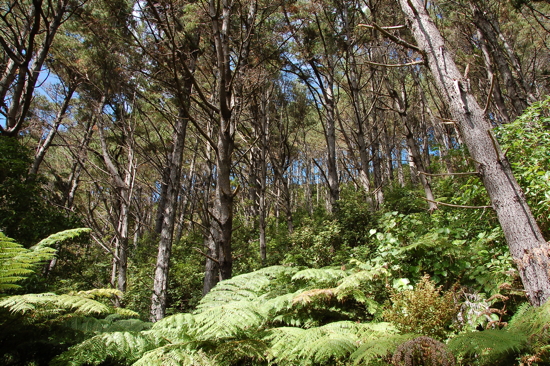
(286, 182)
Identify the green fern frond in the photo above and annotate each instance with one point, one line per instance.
(239, 351)
(377, 346)
(489, 344)
(352, 284)
(243, 287)
(175, 355)
(60, 237)
(227, 321)
(122, 347)
(50, 304)
(111, 323)
(531, 321)
(320, 277)
(315, 345)
(176, 328)
(16, 262)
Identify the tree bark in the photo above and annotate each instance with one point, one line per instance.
(527, 246)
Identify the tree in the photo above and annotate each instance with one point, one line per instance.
(28, 31)
(525, 240)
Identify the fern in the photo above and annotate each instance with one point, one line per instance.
(228, 321)
(111, 323)
(122, 347)
(531, 321)
(489, 345)
(175, 355)
(320, 276)
(233, 352)
(51, 305)
(16, 262)
(333, 341)
(247, 286)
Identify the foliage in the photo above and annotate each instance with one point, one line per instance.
(25, 214)
(17, 262)
(525, 142)
(48, 323)
(424, 310)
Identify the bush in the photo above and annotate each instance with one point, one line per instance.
(423, 310)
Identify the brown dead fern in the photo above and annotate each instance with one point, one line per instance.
(423, 351)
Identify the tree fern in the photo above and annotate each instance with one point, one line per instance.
(334, 341)
(488, 346)
(175, 355)
(233, 352)
(122, 347)
(16, 262)
(111, 323)
(49, 304)
(228, 321)
(247, 286)
(327, 277)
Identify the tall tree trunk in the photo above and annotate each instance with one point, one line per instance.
(46, 143)
(527, 246)
(160, 283)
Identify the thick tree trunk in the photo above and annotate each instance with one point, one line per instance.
(527, 246)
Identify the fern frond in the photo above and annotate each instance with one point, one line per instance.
(123, 347)
(235, 352)
(306, 297)
(488, 344)
(16, 262)
(531, 321)
(50, 304)
(175, 355)
(320, 277)
(315, 345)
(176, 328)
(352, 285)
(227, 321)
(60, 237)
(111, 323)
(378, 346)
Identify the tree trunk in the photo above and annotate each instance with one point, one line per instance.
(527, 246)
(160, 284)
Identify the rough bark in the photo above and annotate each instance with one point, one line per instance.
(527, 246)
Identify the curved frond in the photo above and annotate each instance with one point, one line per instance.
(175, 355)
(491, 343)
(227, 321)
(16, 262)
(50, 304)
(60, 237)
(530, 320)
(233, 352)
(111, 323)
(123, 347)
(378, 346)
(320, 276)
(315, 345)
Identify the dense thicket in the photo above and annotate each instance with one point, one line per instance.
(344, 156)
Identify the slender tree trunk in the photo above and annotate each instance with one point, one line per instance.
(45, 145)
(527, 246)
(160, 283)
